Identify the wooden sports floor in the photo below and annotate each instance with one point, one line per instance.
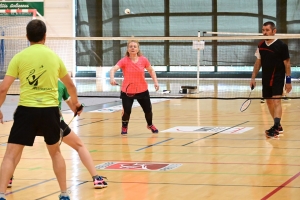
(206, 149)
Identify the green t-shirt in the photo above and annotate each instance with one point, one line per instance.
(62, 93)
(38, 69)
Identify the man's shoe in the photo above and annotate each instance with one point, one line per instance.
(285, 98)
(279, 129)
(272, 133)
(62, 197)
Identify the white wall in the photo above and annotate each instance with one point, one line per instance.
(59, 16)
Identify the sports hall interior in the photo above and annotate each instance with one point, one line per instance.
(203, 55)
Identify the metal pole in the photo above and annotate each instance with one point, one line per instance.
(198, 65)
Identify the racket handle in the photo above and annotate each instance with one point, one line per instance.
(78, 109)
(252, 87)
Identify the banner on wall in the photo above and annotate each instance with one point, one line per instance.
(22, 5)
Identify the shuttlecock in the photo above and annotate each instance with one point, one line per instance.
(127, 11)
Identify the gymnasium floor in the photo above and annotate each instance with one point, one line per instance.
(206, 149)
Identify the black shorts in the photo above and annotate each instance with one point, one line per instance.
(65, 128)
(30, 122)
(270, 91)
(142, 95)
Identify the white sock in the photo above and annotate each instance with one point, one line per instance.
(64, 194)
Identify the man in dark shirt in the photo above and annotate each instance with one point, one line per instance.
(273, 56)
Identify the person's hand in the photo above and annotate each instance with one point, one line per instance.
(79, 108)
(156, 86)
(1, 117)
(252, 83)
(113, 82)
(288, 87)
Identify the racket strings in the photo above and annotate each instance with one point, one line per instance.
(245, 105)
(131, 90)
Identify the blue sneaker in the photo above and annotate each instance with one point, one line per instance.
(62, 197)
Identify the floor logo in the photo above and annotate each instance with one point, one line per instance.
(208, 129)
(140, 166)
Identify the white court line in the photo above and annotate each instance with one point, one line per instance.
(208, 129)
(120, 107)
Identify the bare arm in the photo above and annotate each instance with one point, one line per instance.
(72, 91)
(256, 68)
(153, 76)
(70, 104)
(287, 64)
(4, 86)
(112, 74)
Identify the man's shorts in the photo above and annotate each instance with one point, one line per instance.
(30, 122)
(270, 91)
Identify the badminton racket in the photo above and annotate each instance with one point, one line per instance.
(62, 131)
(247, 103)
(131, 89)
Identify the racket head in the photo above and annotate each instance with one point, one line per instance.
(131, 90)
(245, 105)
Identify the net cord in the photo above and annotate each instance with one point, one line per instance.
(8, 11)
(294, 36)
(234, 33)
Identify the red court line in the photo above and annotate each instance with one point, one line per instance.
(281, 186)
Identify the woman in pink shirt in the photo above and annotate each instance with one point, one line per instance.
(134, 86)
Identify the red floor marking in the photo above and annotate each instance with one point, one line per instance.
(281, 186)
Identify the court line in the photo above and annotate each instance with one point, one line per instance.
(154, 144)
(229, 147)
(213, 174)
(24, 188)
(60, 191)
(215, 133)
(184, 138)
(93, 122)
(206, 163)
(185, 162)
(187, 153)
(203, 184)
(281, 186)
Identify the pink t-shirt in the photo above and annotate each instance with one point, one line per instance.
(134, 74)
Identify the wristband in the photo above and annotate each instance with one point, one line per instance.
(288, 79)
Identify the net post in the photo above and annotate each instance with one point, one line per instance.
(198, 64)
(33, 11)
